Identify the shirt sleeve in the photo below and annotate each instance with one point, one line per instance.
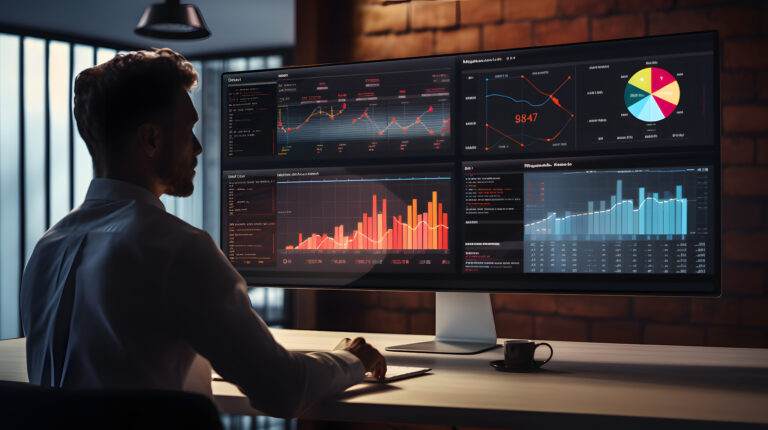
(209, 307)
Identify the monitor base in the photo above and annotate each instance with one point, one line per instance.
(463, 325)
(443, 347)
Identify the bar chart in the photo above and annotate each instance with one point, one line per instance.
(648, 214)
(632, 220)
(611, 204)
(418, 230)
(356, 220)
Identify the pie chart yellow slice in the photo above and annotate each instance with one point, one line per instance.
(642, 80)
(670, 93)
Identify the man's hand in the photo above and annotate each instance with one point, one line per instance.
(372, 360)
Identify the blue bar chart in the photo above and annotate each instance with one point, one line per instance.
(617, 217)
(632, 220)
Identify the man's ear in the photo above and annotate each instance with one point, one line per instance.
(149, 139)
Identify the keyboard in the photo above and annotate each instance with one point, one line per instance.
(396, 373)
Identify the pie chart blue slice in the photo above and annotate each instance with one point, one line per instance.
(636, 109)
(651, 111)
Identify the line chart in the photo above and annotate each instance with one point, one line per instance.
(368, 115)
(317, 111)
(518, 115)
(381, 130)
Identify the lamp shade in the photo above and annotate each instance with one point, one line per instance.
(172, 20)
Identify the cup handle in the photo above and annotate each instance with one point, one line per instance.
(551, 351)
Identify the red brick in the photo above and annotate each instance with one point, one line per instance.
(741, 215)
(755, 312)
(586, 7)
(736, 337)
(745, 54)
(539, 303)
(516, 9)
(593, 306)
(560, 31)
(719, 310)
(736, 21)
(479, 11)
(762, 150)
(559, 328)
(643, 6)
(392, 46)
(370, 47)
(378, 18)
(461, 40)
(738, 150)
(745, 181)
(743, 279)
(745, 247)
(666, 334)
(507, 36)
(661, 309)
(763, 85)
(678, 22)
(411, 45)
(745, 119)
(379, 320)
(421, 323)
(618, 27)
(433, 14)
(737, 86)
(400, 300)
(511, 325)
(616, 331)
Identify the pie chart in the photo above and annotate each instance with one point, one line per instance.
(652, 94)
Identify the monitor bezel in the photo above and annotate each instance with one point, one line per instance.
(544, 283)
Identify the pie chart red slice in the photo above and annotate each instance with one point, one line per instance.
(660, 78)
(666, 107)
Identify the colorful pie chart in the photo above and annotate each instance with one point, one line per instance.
(652, 94)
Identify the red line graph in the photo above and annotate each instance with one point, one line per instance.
(550, 96)
(394, 122)
(315, 112)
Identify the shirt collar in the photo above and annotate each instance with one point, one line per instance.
(113, 189)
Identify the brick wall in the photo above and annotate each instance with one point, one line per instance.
(740, 317)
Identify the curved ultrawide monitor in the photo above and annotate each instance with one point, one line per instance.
(590, 167)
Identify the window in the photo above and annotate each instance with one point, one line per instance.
(45, 168)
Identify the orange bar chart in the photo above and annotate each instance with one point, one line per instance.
(409, 231)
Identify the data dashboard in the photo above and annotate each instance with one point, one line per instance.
(593, 161)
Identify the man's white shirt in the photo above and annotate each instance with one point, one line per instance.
(121, 294)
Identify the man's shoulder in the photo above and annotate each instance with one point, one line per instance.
(129, 221)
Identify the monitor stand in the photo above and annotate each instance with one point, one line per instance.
(463, 325)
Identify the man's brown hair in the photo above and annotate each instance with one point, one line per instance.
(114, 98)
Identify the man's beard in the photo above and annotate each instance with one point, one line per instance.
(175, 178)
(178, 187)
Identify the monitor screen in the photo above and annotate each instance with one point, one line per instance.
(590, 167)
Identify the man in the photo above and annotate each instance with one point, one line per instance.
(121, 294)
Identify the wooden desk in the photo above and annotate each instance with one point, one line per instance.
(586, 384)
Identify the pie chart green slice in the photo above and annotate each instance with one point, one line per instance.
(632, 95)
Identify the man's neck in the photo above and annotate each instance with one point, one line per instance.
(143, 181)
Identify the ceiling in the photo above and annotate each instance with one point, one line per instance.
(236, 25)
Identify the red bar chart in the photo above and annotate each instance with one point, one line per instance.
(415, 229)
